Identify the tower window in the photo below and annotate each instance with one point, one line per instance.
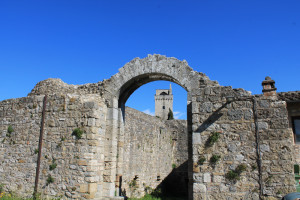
(163, 107)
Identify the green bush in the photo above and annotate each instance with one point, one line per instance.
(132, 183)
(53, 165)
(214, 159)
(234, 175)
(213, 138)
(1, 188)
(173, 166)
(201, 160)
(10, 129)
(36, 151)
(170, 114)
(50, 179)
(78, 133)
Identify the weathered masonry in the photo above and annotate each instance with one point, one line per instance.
(237, 145)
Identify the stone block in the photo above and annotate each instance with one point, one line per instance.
(262, 125)
(91, 122)
(206, 177)
(235, 114)
(196, 168)
(82, 162)
(197, 177)
(217, 179)
(196, 138)
(92, 188)
(199, 188)
(206, 107)
(83, 188)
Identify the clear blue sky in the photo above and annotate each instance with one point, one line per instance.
(235, 42)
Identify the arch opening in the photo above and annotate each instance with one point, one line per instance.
(132, 85)
(162, 144)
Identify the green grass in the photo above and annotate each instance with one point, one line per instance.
(146, 197)
(150, 197)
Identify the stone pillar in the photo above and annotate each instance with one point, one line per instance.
(120, 153)
(269, 88)
(109, 176)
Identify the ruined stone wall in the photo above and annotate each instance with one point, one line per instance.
(253, 132)
(76, 164)
(155, 153)
(57, 86)
(294, 110)
(238, 145)
(154, 148)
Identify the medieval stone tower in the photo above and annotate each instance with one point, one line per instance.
(163, 103)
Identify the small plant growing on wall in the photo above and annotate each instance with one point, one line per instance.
(234, 175)
(201, 160)
(36, 151)
(173, 166)
(50, 179)
(132, 183)
(1, 188)
(10, 130)
(53, 165)
(213, 138)
(78, 133)
(214, 159)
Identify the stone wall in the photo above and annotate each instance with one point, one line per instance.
(294, 110)
(244, 128)
(155, 154)
(153, 150)
(77, 163)
(253, 131)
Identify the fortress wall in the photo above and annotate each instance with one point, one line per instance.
(294, 110)
(79, 161)
(155, 153)
(237, 145)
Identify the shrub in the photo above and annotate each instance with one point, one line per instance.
(53, 165)
(213, 138)
(170, 114)
(1, 188)
(234, 175)
(10, 129)
(36, 151)
(50, 179)
(214, 159)
(132, 183)
(78, 133)
(173, 166)
(201, 160)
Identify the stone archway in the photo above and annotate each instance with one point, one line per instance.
(118, 89)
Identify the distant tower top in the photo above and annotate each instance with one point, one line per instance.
(163, 102)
